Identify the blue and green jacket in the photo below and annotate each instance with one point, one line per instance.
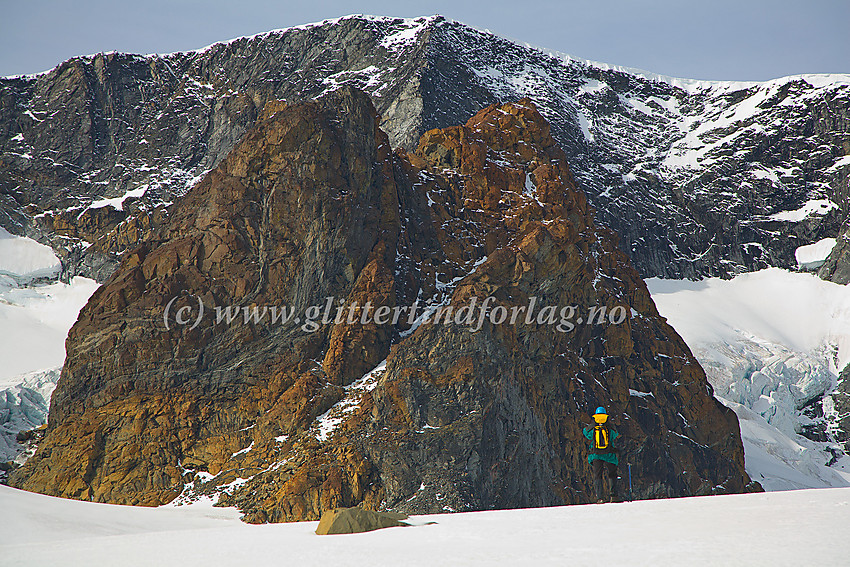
(610, 457)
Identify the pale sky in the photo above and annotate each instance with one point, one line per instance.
(704, 39)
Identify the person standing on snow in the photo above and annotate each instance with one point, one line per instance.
(603, 455)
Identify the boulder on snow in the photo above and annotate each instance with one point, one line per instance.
(357, 520)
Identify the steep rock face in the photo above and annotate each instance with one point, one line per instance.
(413, 415)
(297, 211)
(114, 125)
(836, 268)
(697, 178)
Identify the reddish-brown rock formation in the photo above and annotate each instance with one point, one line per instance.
(313, 204)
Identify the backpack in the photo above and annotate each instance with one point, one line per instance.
(601, 441)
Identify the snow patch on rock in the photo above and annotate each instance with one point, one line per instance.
(812, 256)
(813, 207)
(328, 422)
(118, 202)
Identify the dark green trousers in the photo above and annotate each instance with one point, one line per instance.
(599, 466)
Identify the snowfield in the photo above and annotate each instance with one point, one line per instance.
(780, 528)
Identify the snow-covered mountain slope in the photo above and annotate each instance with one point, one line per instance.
(717, 530)
(786, 461)
(774, 342)
(35, 315)
(23, 260)
(34, 322)
(699, 178)
(24, 401)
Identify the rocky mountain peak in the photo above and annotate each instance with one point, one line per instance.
(698, 178)
(498, 314)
